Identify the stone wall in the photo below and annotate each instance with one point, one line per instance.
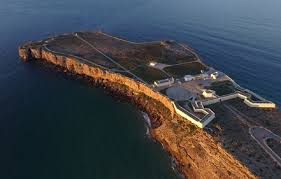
(247, 101)
(191, 119)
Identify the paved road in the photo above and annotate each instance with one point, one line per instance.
(261, 134)
(258, 133)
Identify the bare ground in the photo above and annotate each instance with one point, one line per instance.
(235, 138)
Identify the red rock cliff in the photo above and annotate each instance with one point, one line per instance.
(197, 154)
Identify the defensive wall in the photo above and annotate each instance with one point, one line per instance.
(74, 64)
(245, 97)
(209, 115)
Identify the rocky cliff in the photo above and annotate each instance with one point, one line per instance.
(196, 152)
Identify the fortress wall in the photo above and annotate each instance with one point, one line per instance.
(250, 103)
(241, 96)
(75, 65)
(210, 115)
(260, 105)
(228, 97)
(256, 95)
(211, 101)
(207, 121)
(201, 110)
(184, 115)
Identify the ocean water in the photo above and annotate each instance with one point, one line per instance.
(54, 127)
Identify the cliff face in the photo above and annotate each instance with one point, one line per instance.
(76, 66)
(196, 153)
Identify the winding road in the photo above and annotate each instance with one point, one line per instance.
(258, 133)
(261, 134)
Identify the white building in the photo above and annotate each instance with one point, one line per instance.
(209, 93)
(152, 64)
(214, 75)
(164, 82)
(188, 78)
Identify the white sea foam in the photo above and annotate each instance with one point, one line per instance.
(147, 122)
(172, 159)
(147, 119)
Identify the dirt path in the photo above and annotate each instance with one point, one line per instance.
(258, 133)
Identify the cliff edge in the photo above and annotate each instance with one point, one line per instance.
(198, 154)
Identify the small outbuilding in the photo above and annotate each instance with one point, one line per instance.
(214, 75)
(209, 93)
(164, 82)
(188, 78)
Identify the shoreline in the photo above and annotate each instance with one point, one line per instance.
(147, 123)
(174, 164)
(172, 160)
(164, 121)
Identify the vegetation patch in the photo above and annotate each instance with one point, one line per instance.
(274, 145)
(223, 87)
(163, 52)
(184, 128)
(185, 69)
(130, 63)
(149, 74)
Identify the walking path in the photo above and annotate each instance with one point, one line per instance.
(109, 58)
(152, 42)
(80, 58)
(259, 134)
(191, 51)
(135, 43)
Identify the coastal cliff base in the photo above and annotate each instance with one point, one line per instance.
(198, 153)
(191, 147)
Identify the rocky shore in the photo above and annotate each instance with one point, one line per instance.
(197, 154)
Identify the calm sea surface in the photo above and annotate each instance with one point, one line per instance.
(53, 127)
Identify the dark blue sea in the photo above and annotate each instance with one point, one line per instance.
(54, 127)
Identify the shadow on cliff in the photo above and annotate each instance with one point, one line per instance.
(156, 111)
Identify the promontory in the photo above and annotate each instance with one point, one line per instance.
(209, 124)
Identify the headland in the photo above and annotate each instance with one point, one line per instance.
(181, 95)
